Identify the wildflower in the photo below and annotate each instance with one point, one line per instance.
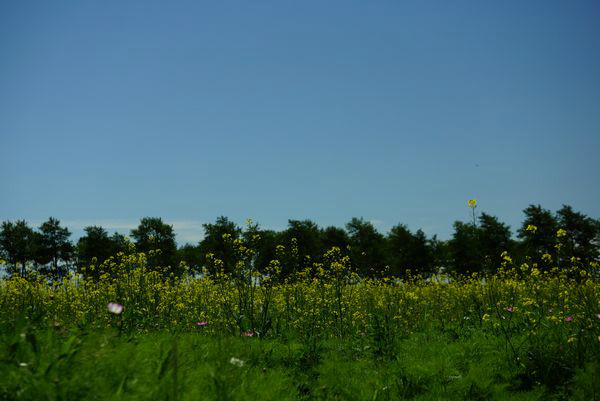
(236, 362)
(561, 233)
(485, 317)
(571, 340)
(531, 227)
(598, 316)
(248, 334)
(115, 308)
(569, 319)
(472, 203)
(509, 309)
(201, 324)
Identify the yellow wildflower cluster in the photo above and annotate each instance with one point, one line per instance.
(327, 298)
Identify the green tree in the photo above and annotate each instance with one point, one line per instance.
(408, 251)
(582, 235)
(494, 238)
(537, 234)
(464, 249)
(367, 247)
(16, 245)
(53, 250)
(213, 242)
(307, 237)
(151, 235)
(190, 254)
(334, 236)
(264, 243)
(97, 244)
(119, 243)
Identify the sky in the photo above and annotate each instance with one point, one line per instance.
(394, 111)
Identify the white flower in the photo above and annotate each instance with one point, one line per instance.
(237, 362)
(115, 308)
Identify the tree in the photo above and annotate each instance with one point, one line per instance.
(334, 236)
(367, 247)
(408, 251)
(151, 235)
(464, 249)
(16, 245)
(307, 237)
(52, 246)
(581, 235)
(538, 233)
(213, 243)
(97, 244)
(494, 238)
(94, 244)
(190, 254)
(118, 244)
(264, 243)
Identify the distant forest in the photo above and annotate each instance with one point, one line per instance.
(545, 239)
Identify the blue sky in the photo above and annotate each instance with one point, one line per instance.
(398, 112)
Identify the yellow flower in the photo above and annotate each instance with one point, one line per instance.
(531, 228)
(485, 317)
(472, 203)
(561, 233)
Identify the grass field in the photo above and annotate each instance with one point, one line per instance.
(526, 333)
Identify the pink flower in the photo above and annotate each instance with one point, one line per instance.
(115, 308)
(248, 334)
(509, 309)
(201, 324)
(569, 319)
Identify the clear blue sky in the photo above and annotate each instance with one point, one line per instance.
(396, 111)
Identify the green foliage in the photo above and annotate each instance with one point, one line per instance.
(465, 253)
(538, 233)
(213, 243)
(95, 247)
(151, 235)
(367, 247)
(306, 237)
(16, 245)
(408, 252)
(582, 235)
(53, 250)
(493, 239)
(59, 364)
(546, 240)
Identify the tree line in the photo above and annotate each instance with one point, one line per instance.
(544, 238)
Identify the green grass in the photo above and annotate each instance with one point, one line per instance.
(58, 363)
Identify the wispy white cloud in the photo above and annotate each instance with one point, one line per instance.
(117, 225)
(186, 230)
(376, 222)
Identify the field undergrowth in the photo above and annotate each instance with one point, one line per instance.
(58, 364)
(127, 333)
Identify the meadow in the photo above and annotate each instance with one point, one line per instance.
(527, 332)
